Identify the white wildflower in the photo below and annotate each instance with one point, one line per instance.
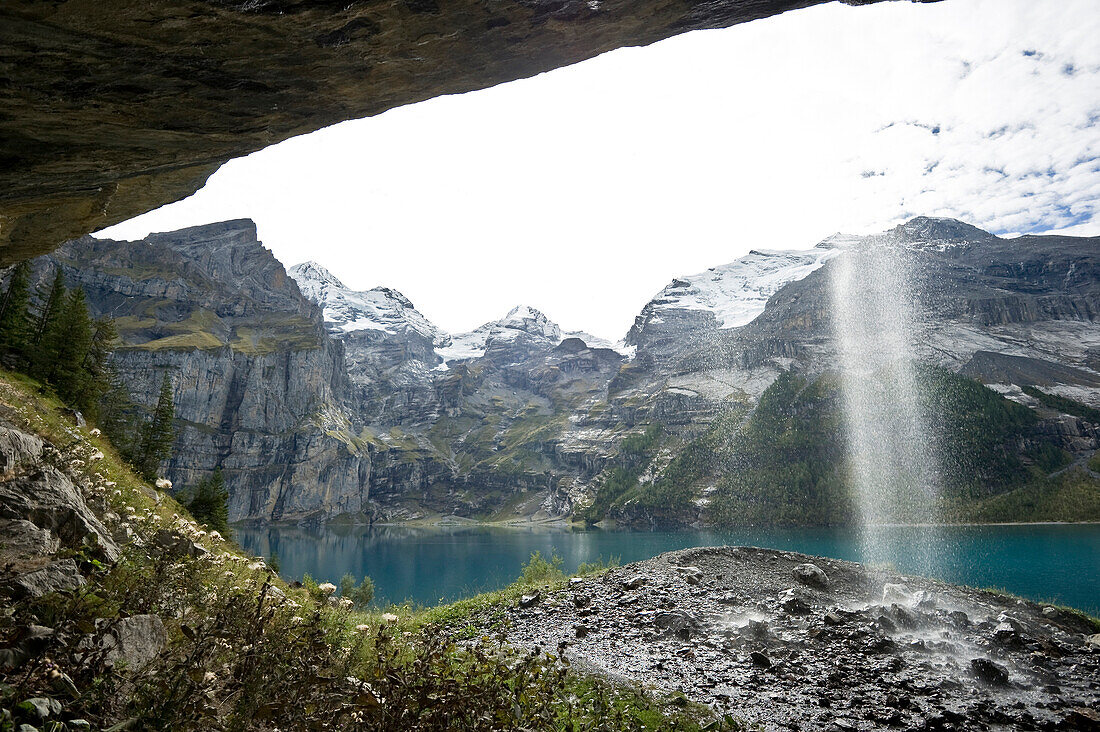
(389, 618)
(327, 587)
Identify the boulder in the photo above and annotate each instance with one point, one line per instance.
(896, 593)
(39, 708)
(812, 575)
(135, 641)
(17, 448)
(794, 602)
(55, 577)
(24, 540)
(678, 623)
(175, 544)
(49, 500)
(691, 575)
(760, 659)
(989, 671)
(530, 600)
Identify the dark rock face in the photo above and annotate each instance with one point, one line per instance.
(258, 385)
(116, 108)
(870, 651)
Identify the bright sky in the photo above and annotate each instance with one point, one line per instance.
(584, 191)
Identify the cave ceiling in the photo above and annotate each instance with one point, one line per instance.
(111, 108)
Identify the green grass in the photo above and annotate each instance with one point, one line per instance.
(1072, 496)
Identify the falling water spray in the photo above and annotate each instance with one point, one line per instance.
(892, 460)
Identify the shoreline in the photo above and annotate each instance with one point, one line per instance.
(459, 521)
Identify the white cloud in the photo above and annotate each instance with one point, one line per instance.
(583, 191)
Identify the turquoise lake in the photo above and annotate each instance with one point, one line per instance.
(1055, 562)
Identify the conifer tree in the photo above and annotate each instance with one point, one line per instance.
(51, 307)
(157, 434)
(97, 364)
(15, 318)
(119, 415)
(210, 502)
(65, 348)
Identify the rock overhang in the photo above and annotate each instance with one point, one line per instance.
(116, 107)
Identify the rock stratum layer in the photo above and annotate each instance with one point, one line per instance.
(111, 109)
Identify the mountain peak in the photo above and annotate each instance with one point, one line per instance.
(347, 310)
(314, 273)
(938, 229)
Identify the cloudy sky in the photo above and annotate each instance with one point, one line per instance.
(583, 191)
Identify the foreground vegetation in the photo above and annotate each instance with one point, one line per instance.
(245, 650)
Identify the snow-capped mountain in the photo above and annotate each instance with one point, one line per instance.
(733, 293)
(521, 323)
(347, 310)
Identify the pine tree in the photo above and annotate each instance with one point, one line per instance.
(157, 434)
(97, 364)
(51, 307)
(119, 415)
(15, 318)
(210, 502)
(65, 348)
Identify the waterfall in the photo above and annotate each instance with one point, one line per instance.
(893, 465)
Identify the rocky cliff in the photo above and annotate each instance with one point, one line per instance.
(318, 400)
(257, 382)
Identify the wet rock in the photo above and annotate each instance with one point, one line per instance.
(812, 575)
(1006, 634)
(59, 576)
(1082, 718)
(896, 593)
(135, 641)
(959, 618)
(531, 600)
(691, 575)
(757, 629)
(760, 659)
(677, 623)
(794, 602)
(989, 671)
(903, 617)
(832, 618)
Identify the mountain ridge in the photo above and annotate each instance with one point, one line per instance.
(376, 413)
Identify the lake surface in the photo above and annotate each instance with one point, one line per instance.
(1058, 563)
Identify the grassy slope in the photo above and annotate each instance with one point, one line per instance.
(241, 657)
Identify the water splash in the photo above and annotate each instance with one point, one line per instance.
(893, 463)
